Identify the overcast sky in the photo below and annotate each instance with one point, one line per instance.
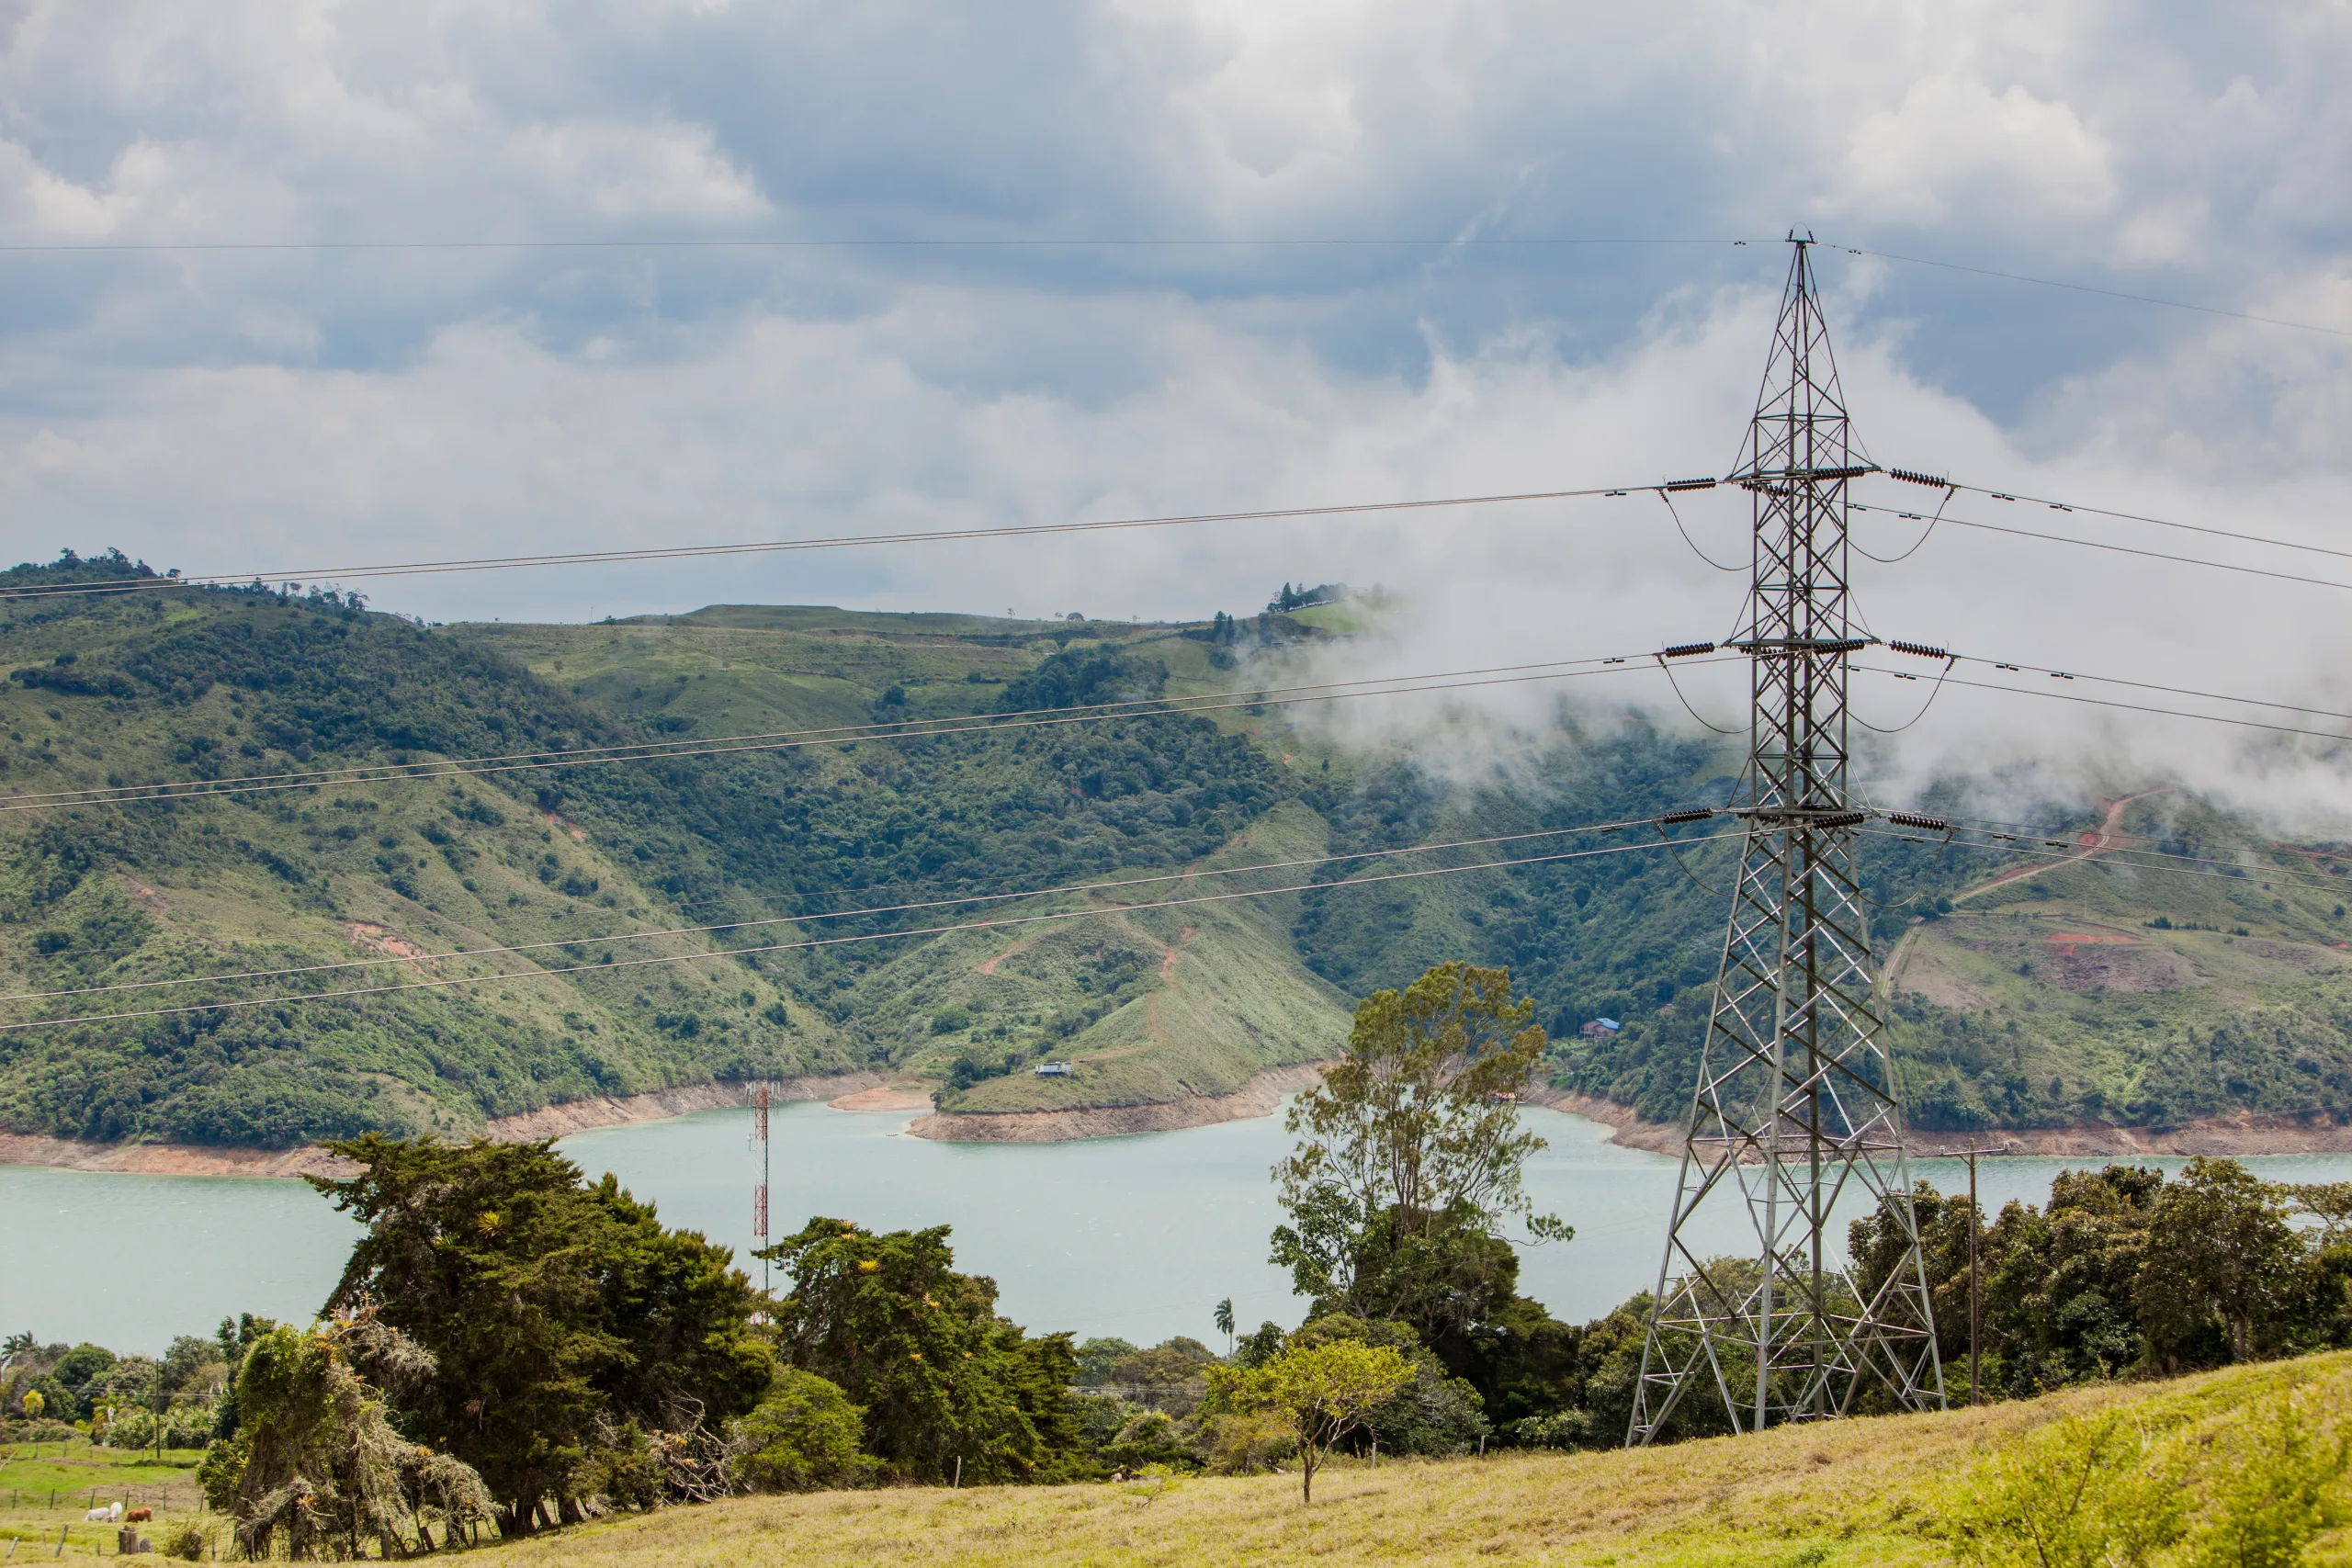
(284, 410)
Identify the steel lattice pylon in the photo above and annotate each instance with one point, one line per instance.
(1795, 1103)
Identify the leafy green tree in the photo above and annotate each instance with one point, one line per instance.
(1879, 1244)
(1410, 1155)
(1149, 1438)
(1523, 1362)
(1258, 1346)
(2061, 1294)
(1323, 1393)
(806, 1435)
(83, 1371)
(554, 1311)
(942, 1378)
(317, 1460)
(2222, 1263)
(1434, 1414)
(1098, 1360)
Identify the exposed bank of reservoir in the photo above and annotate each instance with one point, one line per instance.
(1135, 1237)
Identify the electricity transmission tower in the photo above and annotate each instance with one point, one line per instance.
(1796, 1108)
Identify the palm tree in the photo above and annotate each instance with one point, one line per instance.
(1225, 1324)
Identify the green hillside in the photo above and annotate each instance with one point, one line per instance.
(2235, 1002)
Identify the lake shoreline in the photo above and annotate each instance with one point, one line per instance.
(557, 1121)
(1262, 1096)
(2242, 1133)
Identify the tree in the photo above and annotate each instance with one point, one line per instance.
(2221, 1260)
(1224, 1320)
(1433, 1414)
(556, 1314)
(1411, 1153)
(2061, 1294)
(1881, 1244)
(948, 1387)
(1321, 1392)
(315, 1459)
(804, 1436)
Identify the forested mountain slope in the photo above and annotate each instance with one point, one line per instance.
(768, 835)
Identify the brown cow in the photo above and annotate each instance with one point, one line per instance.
(138, 1516)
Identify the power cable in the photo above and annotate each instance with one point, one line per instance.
(2127, 707)
(1677, 515)
(769, 546)
(2022, 832)
(2153, 686)
(390, 772)
(1924, 533)
(1086, 887)
(2092, 288)
(536, 974)
(2124, 549)
(1145, 707)
(2106, 857)
(1685, 701)
(1933, 692)
(2142, 517)
(1457, 242)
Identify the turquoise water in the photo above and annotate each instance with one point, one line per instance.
(1134, 1237)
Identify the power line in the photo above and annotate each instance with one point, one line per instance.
(769, 546)
(1179, 875)
(2111, 703)
(1072, 242)
(2148, 858)
(2155, 522)
(2063, 855)
(898, 730)
(539, 973)
(2093, 288)
(1951, 521)
(2021, 831)
(2151, 686)
(654, 749)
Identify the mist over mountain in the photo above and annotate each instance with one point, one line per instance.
(482, 938)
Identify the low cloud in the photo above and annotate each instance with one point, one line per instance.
(295, 412)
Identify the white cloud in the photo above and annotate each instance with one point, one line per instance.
(297, 411)
(1955, 143)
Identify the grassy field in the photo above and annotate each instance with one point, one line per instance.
(1868, 1492)
(47, 1487)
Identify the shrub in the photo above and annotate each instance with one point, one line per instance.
(805, 1435)
(1149, 1437)
(2089, 1491)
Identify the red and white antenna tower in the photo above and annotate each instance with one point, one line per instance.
(760, 1191)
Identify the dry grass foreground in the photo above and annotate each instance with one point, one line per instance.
(1862, 1492)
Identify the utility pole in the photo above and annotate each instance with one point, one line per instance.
(1975, 1228)
(760, 1191)
(1795, 1106)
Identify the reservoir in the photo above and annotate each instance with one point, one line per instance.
(1138, 1237)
